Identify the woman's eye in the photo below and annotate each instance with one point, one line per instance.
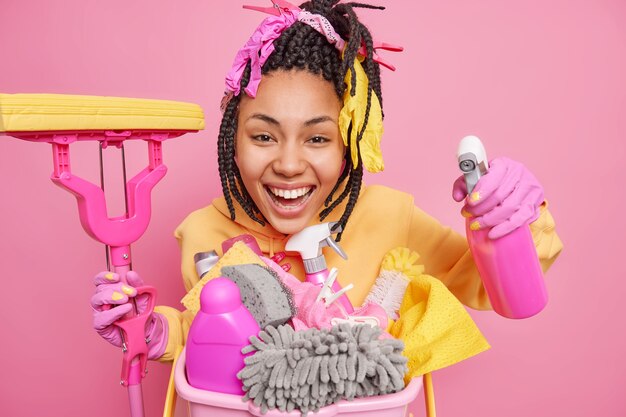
(318, 139)
(262, 138)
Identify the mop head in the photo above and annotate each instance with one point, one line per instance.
(269, 301)
(309, 369)
(45, 112)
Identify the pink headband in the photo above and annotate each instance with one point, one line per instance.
(261, 44)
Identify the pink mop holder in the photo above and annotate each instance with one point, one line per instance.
(117, 232)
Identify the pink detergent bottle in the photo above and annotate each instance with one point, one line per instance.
(508, 266)
(219, 331)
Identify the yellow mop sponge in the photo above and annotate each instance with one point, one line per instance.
(238, 254)
(45, 112)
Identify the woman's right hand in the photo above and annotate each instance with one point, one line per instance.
(113, 300)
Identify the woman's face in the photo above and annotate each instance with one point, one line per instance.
(288, 147)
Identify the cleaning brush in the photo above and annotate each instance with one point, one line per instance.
(396, 270)
(313, 368)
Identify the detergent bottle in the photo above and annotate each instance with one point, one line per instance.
(508, 266)
(219, 331)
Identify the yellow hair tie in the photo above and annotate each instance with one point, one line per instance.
(353, 112)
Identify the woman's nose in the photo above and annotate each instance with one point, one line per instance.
(290, 161)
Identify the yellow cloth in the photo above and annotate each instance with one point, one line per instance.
(41, 112)
(238, 254)
(353, 112)
(434, 326)
(436, 330)
(383, 219)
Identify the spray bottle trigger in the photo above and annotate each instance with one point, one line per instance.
(331, 242)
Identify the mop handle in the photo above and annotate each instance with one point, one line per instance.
(135, 346)
(117, 234)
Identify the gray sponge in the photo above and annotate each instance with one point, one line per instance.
(263, 293)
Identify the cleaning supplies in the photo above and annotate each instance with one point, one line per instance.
(218, 333)
(233, 307)
(399, 265)
(262, 293)
(249, 240)
(310, 369)
(309, 243)
(508, 266)
(201, 403)
(312, 308)
(435, 327)
(238, 254)
(205, 261)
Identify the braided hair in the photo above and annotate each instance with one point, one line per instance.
(300, 47)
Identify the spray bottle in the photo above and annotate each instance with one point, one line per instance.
(309, 243)
(508, 266)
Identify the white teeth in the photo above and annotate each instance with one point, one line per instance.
(289, 194)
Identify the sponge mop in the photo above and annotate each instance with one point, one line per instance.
(64, 112)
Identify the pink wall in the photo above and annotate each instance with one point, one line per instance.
(541, 82)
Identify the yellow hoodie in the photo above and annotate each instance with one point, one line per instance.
(383, 219)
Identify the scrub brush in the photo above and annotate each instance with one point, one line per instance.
(309, 369)
(396, 270)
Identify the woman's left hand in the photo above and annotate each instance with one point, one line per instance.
(505, 198)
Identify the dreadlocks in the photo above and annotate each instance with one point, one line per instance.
(300, 47)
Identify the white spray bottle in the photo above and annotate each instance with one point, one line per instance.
(309, 243)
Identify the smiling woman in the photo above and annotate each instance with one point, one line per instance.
(288, 149)
(302, 119)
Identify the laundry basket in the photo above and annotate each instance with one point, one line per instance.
(203, 403)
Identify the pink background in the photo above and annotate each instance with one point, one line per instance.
(540, 81)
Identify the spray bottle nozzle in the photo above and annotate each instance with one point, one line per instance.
(472, 159)
(334, 227)
(310, 241)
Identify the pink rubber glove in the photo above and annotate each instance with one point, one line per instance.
(278, 258)
(111, 292)
(507, 197)
(312, 313)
